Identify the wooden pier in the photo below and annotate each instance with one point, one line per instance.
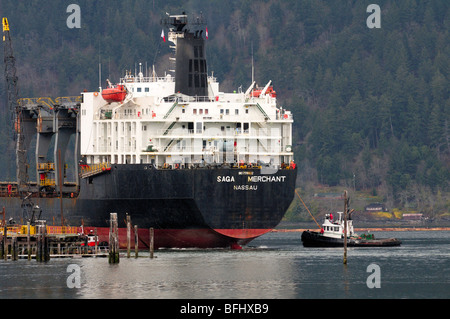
(42, 242)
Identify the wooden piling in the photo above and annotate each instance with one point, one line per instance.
(152, 235)
(42, 245)
(38, 243)
(2, 246)
(28, 241)
(136, 242)
(345, 226)
(128, 236)
(113, 240)
(46, 243)
(14, 247)
(43, 248)
(5, 245)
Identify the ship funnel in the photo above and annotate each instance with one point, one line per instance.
(191, 76)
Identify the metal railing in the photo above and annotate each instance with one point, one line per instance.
(47, 182)
(93, 169)
(49, 102)
(46, 166)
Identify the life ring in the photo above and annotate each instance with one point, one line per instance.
(95, 93)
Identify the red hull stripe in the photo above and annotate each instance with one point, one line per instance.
(242, 233)
(182, 238)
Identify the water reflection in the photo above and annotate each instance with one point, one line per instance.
(275, 266)
(193, 274)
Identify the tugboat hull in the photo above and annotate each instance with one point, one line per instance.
(316, 239)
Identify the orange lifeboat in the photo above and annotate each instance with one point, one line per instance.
(114, 94)
(270, 91)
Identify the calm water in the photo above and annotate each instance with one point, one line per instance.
(273, 266)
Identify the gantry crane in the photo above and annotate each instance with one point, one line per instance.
(60, 116)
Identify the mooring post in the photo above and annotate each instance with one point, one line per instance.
(136, 242)
(5, 243)
(2, 246)
(152, 235)
(345, 227)
(38, 243)
(128, 236)
(28, 240)
(14, 247)
(2, 249)
(116, 240)
(113, 240)
(46, 243)
(43, 249)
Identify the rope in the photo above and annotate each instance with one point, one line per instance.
(308, 210)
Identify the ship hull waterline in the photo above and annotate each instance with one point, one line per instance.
(187, 208)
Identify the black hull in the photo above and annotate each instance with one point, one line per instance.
(315, 239)
(222, 205)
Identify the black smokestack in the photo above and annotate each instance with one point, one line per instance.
(191, 75)
(191, 72)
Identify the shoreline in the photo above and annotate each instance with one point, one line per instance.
(361, 229)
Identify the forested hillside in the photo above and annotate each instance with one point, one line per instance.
(371, 106)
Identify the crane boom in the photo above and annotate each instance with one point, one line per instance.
(14, 107)
(10, 68)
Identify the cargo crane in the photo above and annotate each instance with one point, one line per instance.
(16, 111)
(44, 118)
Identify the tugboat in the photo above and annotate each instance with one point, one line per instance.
(332, 235)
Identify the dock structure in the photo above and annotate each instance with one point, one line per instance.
(113, 255)
(42, 242)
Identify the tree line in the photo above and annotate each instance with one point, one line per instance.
(371, 106)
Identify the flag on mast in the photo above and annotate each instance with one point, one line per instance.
(163, 36)
(206, 32)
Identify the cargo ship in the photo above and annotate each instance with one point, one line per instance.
(203, 168)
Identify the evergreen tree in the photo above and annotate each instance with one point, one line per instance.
(356, 93)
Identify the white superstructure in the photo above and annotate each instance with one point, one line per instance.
(156, 125)
(334, 228)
